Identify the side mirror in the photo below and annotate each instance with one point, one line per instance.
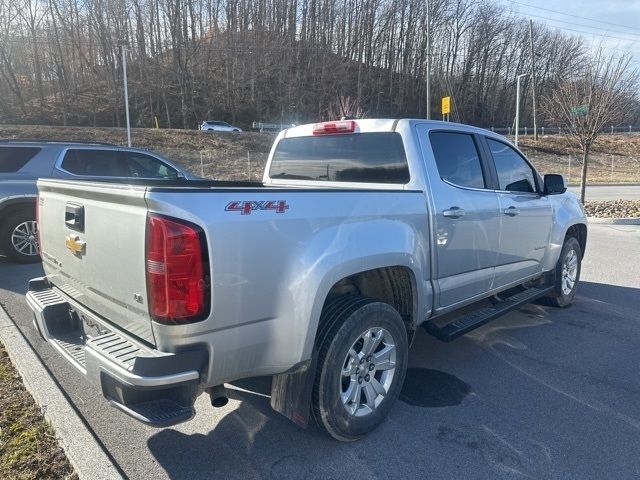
(554, 184)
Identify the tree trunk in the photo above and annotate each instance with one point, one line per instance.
(583, 177)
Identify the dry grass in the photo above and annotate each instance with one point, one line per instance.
(554, 154)
(28, 446)
(230, 156)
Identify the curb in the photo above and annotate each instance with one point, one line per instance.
(85, 454)
(614, 221)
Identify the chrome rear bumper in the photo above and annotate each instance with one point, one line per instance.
(157, 388)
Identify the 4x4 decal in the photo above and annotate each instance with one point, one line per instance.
(246, 207)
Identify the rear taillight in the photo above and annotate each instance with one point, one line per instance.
(38, 225)
(177, 271)
(331, 128)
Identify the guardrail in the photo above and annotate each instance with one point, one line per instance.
(558, 130)
(271, 127)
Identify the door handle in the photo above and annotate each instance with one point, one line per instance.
(454, 212)
(511, 211)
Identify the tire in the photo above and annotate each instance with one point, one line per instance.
(15, 228)
(567, 274)
(347, 369)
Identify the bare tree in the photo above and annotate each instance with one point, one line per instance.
(345, 106)
(268, 60)
(593, 95)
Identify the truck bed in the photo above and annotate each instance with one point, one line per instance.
(259, 240)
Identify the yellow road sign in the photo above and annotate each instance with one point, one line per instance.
(446, 105)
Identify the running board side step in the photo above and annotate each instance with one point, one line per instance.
(482, 316)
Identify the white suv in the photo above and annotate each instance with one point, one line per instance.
(217, 126)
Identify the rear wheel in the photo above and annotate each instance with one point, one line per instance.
(362, 362)
(19, 237)
(567, 274)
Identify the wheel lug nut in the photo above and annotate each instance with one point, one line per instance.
(359, 379)
(371, 366)
(369, 358)
(367, 378)
(361, 360)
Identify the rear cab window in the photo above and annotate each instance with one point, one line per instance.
(13, 158)
(374, 157)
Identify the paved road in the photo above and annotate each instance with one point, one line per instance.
(540, 393)
(610, 192)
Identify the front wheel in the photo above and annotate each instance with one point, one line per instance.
(567, 274)
(362, 362)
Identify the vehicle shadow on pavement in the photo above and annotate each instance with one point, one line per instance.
(626, 297)
(253, 441)
(15, 276)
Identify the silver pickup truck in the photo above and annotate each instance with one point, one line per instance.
(319, 276)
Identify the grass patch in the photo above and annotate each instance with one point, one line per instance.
(28, 446)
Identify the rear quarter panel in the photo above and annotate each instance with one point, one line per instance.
(271, 271)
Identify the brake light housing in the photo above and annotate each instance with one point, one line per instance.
(177, 269)
(333, 128)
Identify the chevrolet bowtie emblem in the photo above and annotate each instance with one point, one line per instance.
(74, 244)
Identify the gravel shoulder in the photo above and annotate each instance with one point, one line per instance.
(613, 209)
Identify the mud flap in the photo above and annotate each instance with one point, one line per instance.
(291, 392)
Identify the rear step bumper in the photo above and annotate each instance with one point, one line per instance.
(154, 387)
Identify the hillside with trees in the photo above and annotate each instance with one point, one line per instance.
(270, 60)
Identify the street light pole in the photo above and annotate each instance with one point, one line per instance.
(533, 81)
(518, 105)
(126, 92)
(428, 63)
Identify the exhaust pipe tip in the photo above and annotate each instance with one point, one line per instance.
(219, 402)
(218, 396)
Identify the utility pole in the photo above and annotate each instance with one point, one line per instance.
(126, 92)
(428, 63)
(518, 106)
(533, 81)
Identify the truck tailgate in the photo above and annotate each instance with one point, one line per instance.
(92, 238)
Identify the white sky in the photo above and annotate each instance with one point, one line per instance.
(614, 22)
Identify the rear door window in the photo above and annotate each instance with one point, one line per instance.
(457, 158)
(140, 165)
(92, 163)
(376, 157)
(12, 159)
(514, 173)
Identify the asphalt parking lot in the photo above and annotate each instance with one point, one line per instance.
(540, 393)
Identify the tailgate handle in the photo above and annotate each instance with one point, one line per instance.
(74, 216)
